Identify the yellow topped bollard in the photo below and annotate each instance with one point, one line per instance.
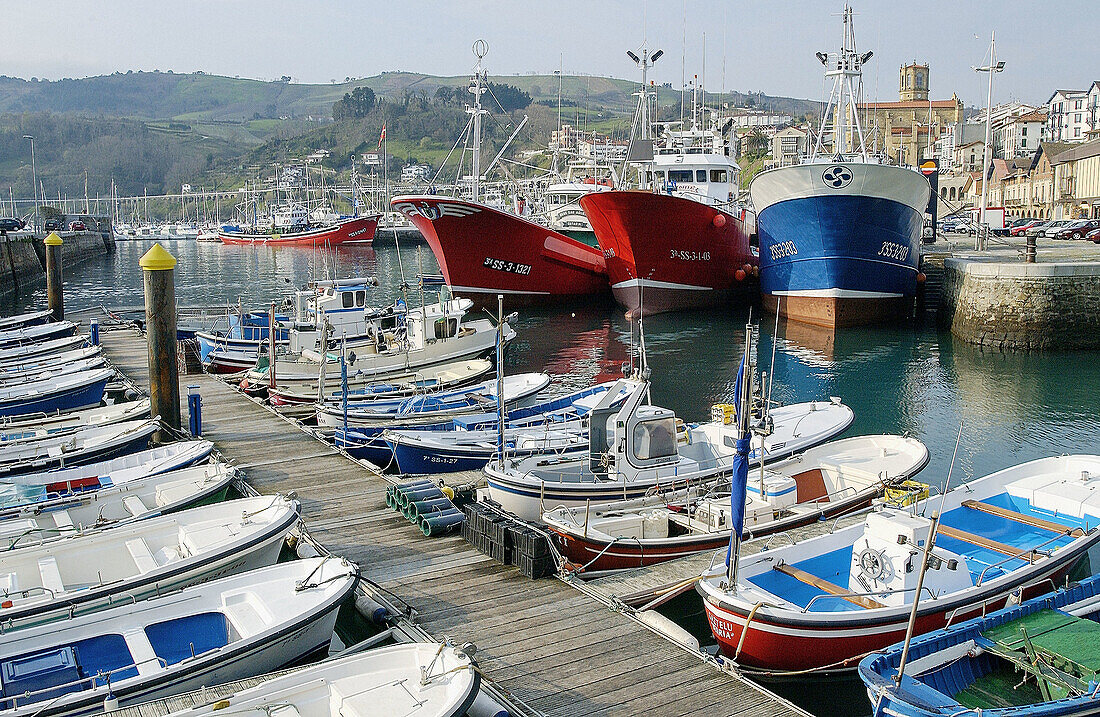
(160, 330)
(54, 295)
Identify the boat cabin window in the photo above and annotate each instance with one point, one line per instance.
(348, 300)
(681, 175)
(446, 328)
(360, 298)
(718, 175)
(655, 439)
(700, 175)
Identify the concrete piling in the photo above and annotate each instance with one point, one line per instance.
(158, 267)
(54, 295)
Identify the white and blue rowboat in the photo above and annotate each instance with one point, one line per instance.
(840, 232)
(62, 393)
(636, 449)
(94, 571)
(1038, 659)
(31, 318)
(44, 373)
(224, 630)
(421, 679)
(826, 602)
(39, 424)
(519, 390)
(59, 483)
(137, 500)
(18, 355)
(40, 362)
(36, 334)
(77, 447)
(368, 443)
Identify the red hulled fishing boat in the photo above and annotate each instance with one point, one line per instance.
(352, 229)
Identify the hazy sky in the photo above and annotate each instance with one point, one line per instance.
(766, 45)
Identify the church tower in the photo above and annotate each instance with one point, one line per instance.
(913, 83)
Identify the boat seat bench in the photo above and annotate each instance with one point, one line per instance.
(982, 542)
(1029, 520)
(141, 554)
(826, 586)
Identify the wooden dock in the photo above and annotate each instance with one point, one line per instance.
(551, 648)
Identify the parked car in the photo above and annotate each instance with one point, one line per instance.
(955, 225)
(1078, 229)
(11, 224)
(1021, 228)
(1094, 235)
(1053, 228)
(77, 226)
(52, 225)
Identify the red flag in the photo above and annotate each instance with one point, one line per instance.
(382, 136)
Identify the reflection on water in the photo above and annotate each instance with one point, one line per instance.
(1013, 407)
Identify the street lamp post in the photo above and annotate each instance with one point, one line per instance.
(993, 67)
(34, 180)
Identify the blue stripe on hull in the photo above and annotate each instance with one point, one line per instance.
(84, 397)
(844, 242)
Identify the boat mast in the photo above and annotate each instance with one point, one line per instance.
(846, 70)
(640, 128)
(477, 88)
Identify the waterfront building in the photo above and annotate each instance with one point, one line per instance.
(969, 157)
(415, 173)
(1074, 115)
(907, 130)
(954, 136)
(1077, 182)
(746, 118)
(1019, 136)
(788, 145)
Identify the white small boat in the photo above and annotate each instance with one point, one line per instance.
(31, 364)
(61, 393)
(82, 445)
(13, 427)
(104, 474)
(43, 373)
(228, 629)
(635, 449)
(85, 573)
(30, 318)
(16, 355)
(419, 679)
(519, 390)
(37, 333)
(94, 510)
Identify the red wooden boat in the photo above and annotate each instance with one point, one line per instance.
(356, 229)
(667, 251)
(485, 251)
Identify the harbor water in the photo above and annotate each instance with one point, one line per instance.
(905, 379)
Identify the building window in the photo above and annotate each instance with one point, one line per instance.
(1023, 131)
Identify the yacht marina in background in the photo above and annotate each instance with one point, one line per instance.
(550, 394)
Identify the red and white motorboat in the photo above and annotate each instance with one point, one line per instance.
(352, 229)
(825, 602)
(484, 251)
(681, 241)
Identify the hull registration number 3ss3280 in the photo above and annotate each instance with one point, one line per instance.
(509, 266)
(891, 250)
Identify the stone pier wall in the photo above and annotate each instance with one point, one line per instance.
(1025, 307)
(23, 257)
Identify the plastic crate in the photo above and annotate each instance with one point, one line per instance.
(535, 568)
(499, 552)
(532, 544)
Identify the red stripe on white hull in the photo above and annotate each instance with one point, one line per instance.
(484, 250)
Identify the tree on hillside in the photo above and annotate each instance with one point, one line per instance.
(509, 97)
(756, 143)
(357, 103)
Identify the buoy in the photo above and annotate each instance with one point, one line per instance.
(668, 628)
(448, 491)
(719, 220)
(756, 270)
(305, 550)
(486, 706)
(739, 274)
(372, 610)
(747, 267)
(921, 277)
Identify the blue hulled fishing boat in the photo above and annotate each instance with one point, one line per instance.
(840, 232)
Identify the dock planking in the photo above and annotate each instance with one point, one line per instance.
(557, 650)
